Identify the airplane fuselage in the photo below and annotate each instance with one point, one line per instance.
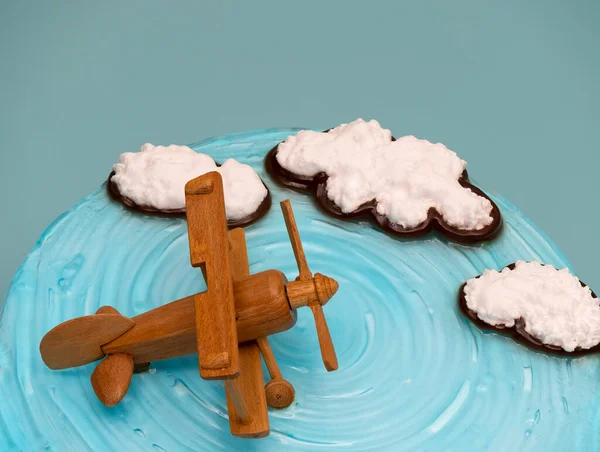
(261, 305)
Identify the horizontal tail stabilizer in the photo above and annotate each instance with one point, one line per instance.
(112, 377)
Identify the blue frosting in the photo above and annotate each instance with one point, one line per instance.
(414, 373)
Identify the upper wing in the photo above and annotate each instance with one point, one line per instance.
(216, 332)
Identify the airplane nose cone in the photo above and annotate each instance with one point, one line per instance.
(326, 287)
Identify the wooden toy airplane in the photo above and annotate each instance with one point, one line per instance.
(227, 325)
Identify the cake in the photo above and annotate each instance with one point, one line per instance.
(414, 373)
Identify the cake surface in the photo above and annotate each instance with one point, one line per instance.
(414, 374)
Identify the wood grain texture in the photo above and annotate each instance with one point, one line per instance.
(248, 417)
(165, 332)
(239, 411)
(325, 342)
(238, 255)
(304, 291)
(300, 293)
(107, 310)
(251, 386)
(262, 306)
(326, 288)
(216, 333)
(170, 330)
(112, 377)
(269, 357)
(79, 341)
(292, 228)
(279, 392)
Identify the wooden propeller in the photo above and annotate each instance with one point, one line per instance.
(310, 291)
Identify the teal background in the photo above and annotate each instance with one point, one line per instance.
(511, 86)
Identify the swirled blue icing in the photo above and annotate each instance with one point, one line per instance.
(414, 373)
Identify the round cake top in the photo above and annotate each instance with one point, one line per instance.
(414, 374)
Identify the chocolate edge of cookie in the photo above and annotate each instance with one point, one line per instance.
(316, 185)
(115, 194)
(518, 332)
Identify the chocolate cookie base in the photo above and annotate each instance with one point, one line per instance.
(318, 186)
(115, 194)
(517, 332)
